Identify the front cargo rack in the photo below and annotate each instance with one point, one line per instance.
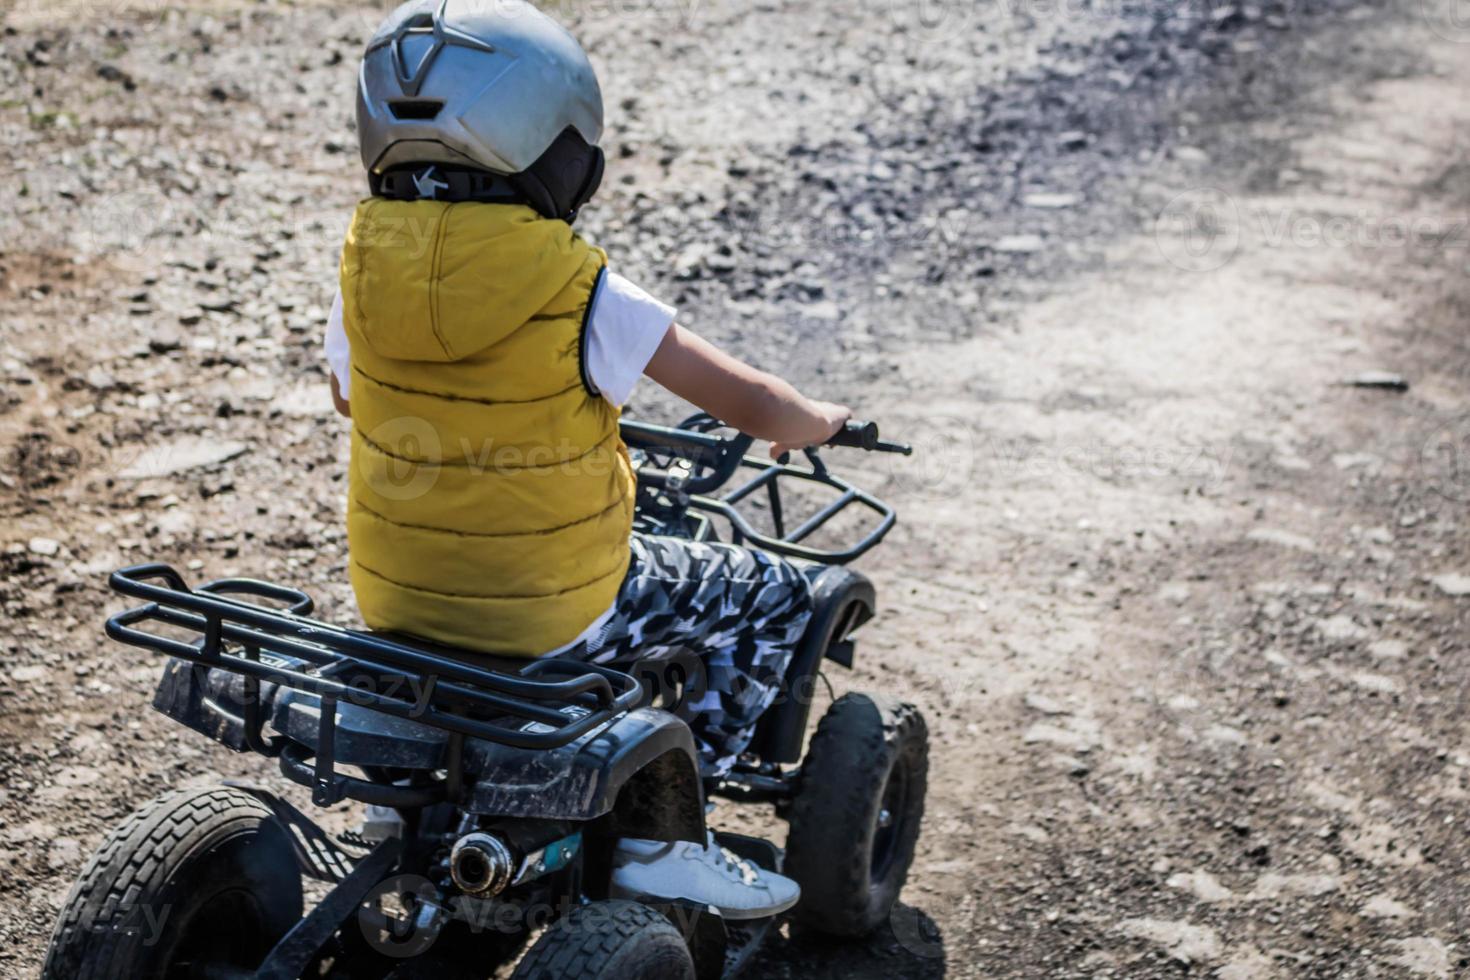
(546, 704)
(669, 493)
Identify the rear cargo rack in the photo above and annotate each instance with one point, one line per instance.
(547, 704)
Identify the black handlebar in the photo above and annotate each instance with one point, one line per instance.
(858, 434)
(721, 454)
(717, 456)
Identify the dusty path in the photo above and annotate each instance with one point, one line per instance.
(1209, 697)
(1179, 608)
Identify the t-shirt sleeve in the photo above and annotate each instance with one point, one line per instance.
(624, 329)
(339, 354)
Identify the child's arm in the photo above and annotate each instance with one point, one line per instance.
(338, 402)
(752, 401)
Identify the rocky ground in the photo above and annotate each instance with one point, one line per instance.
(1185, 609)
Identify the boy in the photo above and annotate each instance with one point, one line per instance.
(483, 348)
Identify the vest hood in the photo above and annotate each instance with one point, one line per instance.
(446, 281)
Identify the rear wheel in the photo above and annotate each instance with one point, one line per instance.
(609, 941)
(197, 883)
(855, 817)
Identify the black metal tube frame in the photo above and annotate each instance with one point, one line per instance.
(448, 694)
(725, 456)
(768, 475)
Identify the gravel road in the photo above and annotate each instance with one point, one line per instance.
(1169, 296)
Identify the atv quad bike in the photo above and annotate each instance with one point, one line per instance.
(511, 778)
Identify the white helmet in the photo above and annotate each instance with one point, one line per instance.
(479, 100)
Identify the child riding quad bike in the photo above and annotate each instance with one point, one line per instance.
(509, 781)
(563, 662)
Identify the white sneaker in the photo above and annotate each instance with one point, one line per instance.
(379, 823)
(710, 875)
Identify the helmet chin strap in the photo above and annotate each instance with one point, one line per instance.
(556, 186)
(439, 182)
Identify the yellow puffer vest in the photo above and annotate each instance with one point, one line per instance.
(490, 497)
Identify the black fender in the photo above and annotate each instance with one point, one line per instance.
(842, 600)
(640, 770)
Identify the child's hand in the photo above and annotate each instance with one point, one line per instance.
(338, 402)
(825, 419)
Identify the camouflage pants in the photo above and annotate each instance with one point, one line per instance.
(716, 621)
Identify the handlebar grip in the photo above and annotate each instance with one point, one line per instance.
(864, 435)
(856, 435)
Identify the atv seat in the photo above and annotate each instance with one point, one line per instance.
(499, 663)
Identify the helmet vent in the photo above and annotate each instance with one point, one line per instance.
(415, 108)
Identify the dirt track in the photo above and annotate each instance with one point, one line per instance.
(1186, 614)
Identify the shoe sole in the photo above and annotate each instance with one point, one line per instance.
(730, 915)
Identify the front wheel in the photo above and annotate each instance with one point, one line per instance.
(608, 941)
(198, 883)
(855, 817)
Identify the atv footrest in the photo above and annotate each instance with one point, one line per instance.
(744, 938)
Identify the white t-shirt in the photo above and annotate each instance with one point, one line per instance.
(625, 327)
